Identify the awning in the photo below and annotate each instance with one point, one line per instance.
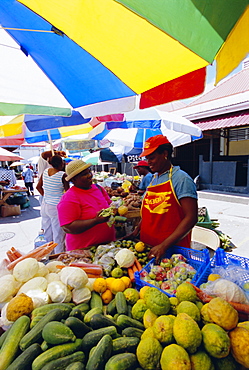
(224, 121)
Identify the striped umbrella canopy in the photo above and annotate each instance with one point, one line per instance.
(132, 129)
(34, 128)
(101, 54)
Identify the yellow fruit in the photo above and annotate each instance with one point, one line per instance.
(186, 292)
(163, 329)
(99, 285)
(148, 353)
(138, 310)
(107, 296)
(122, 210)
(131, 296)
(222, 313)
(117, 286)
(109, 281)
(215, 340)
(201, 361)
(205, 315)
(175, 357)
(187, 332)
(117, 272)
(142, 291)
(149, 318)
(189, 308)
(213, 277)
(18, 306)
(140, 247)
(148, 333)
(127, 281)
(239, 338)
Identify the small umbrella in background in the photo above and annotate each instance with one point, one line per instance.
(15, 164)
(6, 155)
(137, 126)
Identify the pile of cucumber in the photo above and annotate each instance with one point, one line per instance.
(60, 336)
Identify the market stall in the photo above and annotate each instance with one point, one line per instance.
(110, 308)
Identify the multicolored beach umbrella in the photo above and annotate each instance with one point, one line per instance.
(33, 129)
(101, 54)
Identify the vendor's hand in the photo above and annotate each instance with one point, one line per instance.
(132, 235)
(101, 219)
(157, 252)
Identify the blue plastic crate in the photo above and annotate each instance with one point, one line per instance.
(197, 259)
(224, 259)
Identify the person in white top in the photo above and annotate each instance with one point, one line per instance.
(51, 185)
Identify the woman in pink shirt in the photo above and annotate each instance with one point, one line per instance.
(79, 209)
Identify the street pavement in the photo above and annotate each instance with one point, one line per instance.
(231, 211)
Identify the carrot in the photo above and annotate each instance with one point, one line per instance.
(131, 274)
(10, 256)
(240, 307)
(37, 253)
(95, 270)
(93, 276)
(138, 264)
(16, 252)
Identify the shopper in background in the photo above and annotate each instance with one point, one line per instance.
(143, 170)
(80, 207)
(28, 177)
(51, 185)
(45, 158)
(169, 209)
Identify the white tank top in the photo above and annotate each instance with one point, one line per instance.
(53, 187)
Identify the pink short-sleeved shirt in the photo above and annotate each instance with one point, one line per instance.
(79, 204)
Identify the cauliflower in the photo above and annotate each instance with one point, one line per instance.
(19, 306)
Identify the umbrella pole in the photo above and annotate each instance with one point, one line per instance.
(50, 141)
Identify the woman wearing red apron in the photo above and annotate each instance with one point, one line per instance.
(169, 210)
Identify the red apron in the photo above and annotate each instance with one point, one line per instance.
(161, 214)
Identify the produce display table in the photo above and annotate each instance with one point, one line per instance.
(6, 193)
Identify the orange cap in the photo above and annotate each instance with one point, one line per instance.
(153, 143)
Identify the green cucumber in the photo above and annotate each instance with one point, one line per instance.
(56, 352)
(122, 361)
(45, 346)
(100, 321)
(124, 321)
(43, 310)
(90, 313)
(121, 303)
(101, 354)
(25, 359)
(3, 337)
(111, 308)
(129, 308)
(84, 307)
(10, 346)
(63, 362)
(125, 344)
(55, 332)
(96, 300)
(35, 334)
(76, 366)
(92, 338)
(76, 312)
(132, 332)
(78, 327)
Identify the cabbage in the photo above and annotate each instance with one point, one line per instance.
(25, 269)
(125, 258)
(39, 297)
(90, 283)
(38, 282)
(8, 287)
(81, 295)
(229, 291)
(51, 266)
(74, 277)
(52, 276)
(57, 291)
(43, 270)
